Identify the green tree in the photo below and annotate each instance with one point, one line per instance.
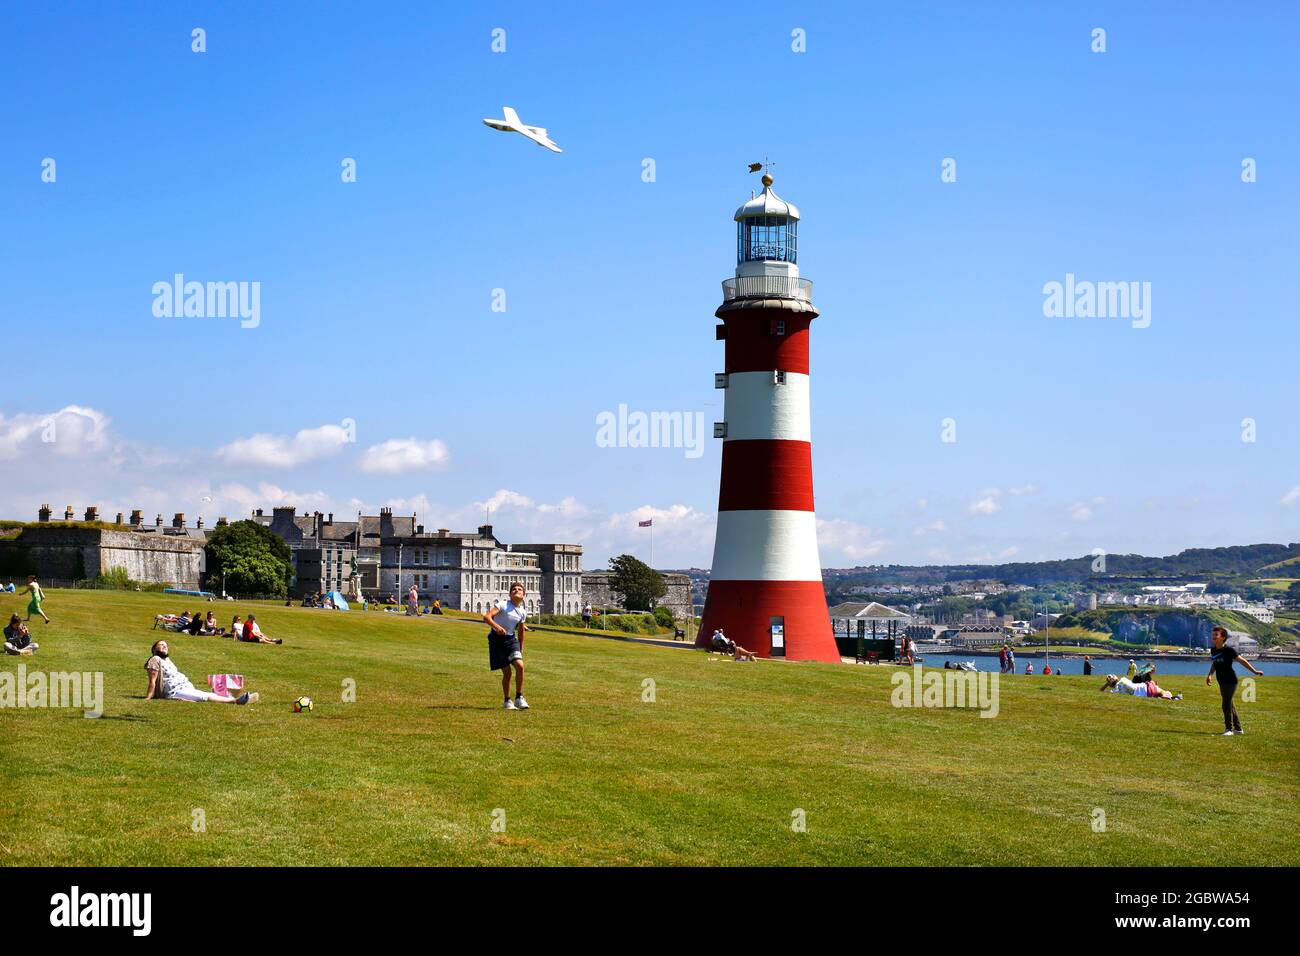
(253, 559)
(636, 581)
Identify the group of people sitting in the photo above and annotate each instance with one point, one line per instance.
(198, 625)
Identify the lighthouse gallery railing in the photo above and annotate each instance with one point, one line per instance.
(766, 287)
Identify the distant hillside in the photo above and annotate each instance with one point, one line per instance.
(1182, 627)
(1281, 560)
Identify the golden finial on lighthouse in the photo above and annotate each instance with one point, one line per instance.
(766, 167)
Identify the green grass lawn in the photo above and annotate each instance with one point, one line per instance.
(709, 773)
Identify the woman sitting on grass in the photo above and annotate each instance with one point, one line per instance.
(1122, 685)
(18, 640)
(168, 683)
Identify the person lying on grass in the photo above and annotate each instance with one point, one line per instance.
(18, 640)
(1122, 685)
(253, 634)
(726, 645)
(168, 683)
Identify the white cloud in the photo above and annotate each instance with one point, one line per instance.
(1019, 490)
(240, 500)
(1291, 497)
(847, 539)
(283, 451)
(399, 455)
(987, 505)
(934, 526)
(74, 431)
(1080, 511)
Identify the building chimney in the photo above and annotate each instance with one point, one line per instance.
(157, 522)
(485, 530)
(443, 532)
(67, 513)
(43, 514)
(419, 529)
(137, 518)
(257, 513)
(199, 523)
(178, 520)
(222, 521)
(119, 518)
(92, 514)
(331, 518)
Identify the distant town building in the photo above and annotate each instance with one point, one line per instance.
(377, 555)
(465, 570)
(596, 588)
(71, 549)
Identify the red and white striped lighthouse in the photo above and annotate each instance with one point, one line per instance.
(765, 590)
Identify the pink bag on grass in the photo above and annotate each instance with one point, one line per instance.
(225, 683)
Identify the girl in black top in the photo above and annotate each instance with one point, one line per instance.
(1221, 660)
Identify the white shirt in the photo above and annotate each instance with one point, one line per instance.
(509, 615)
(1126, 686)
(169, 676)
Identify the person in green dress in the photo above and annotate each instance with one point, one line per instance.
(38, 597)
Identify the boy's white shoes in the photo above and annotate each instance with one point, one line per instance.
(520, 703)
(509, 705)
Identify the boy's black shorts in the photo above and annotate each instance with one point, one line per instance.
(502, 649)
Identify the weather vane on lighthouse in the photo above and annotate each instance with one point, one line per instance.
(765, 586)
(766, 166)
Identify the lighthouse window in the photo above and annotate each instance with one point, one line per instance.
(779, 376)
(768, 238)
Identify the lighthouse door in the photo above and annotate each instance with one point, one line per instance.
(778, 637)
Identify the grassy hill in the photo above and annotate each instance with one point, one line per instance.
(1179, 627)
(1223, 564)
(709, 773)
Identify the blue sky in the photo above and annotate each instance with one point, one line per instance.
(1072, 433)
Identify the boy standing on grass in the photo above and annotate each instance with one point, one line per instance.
(38, 596)
(1221, 660)
(506, 644)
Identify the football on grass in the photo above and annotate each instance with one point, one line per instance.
(302, 704)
